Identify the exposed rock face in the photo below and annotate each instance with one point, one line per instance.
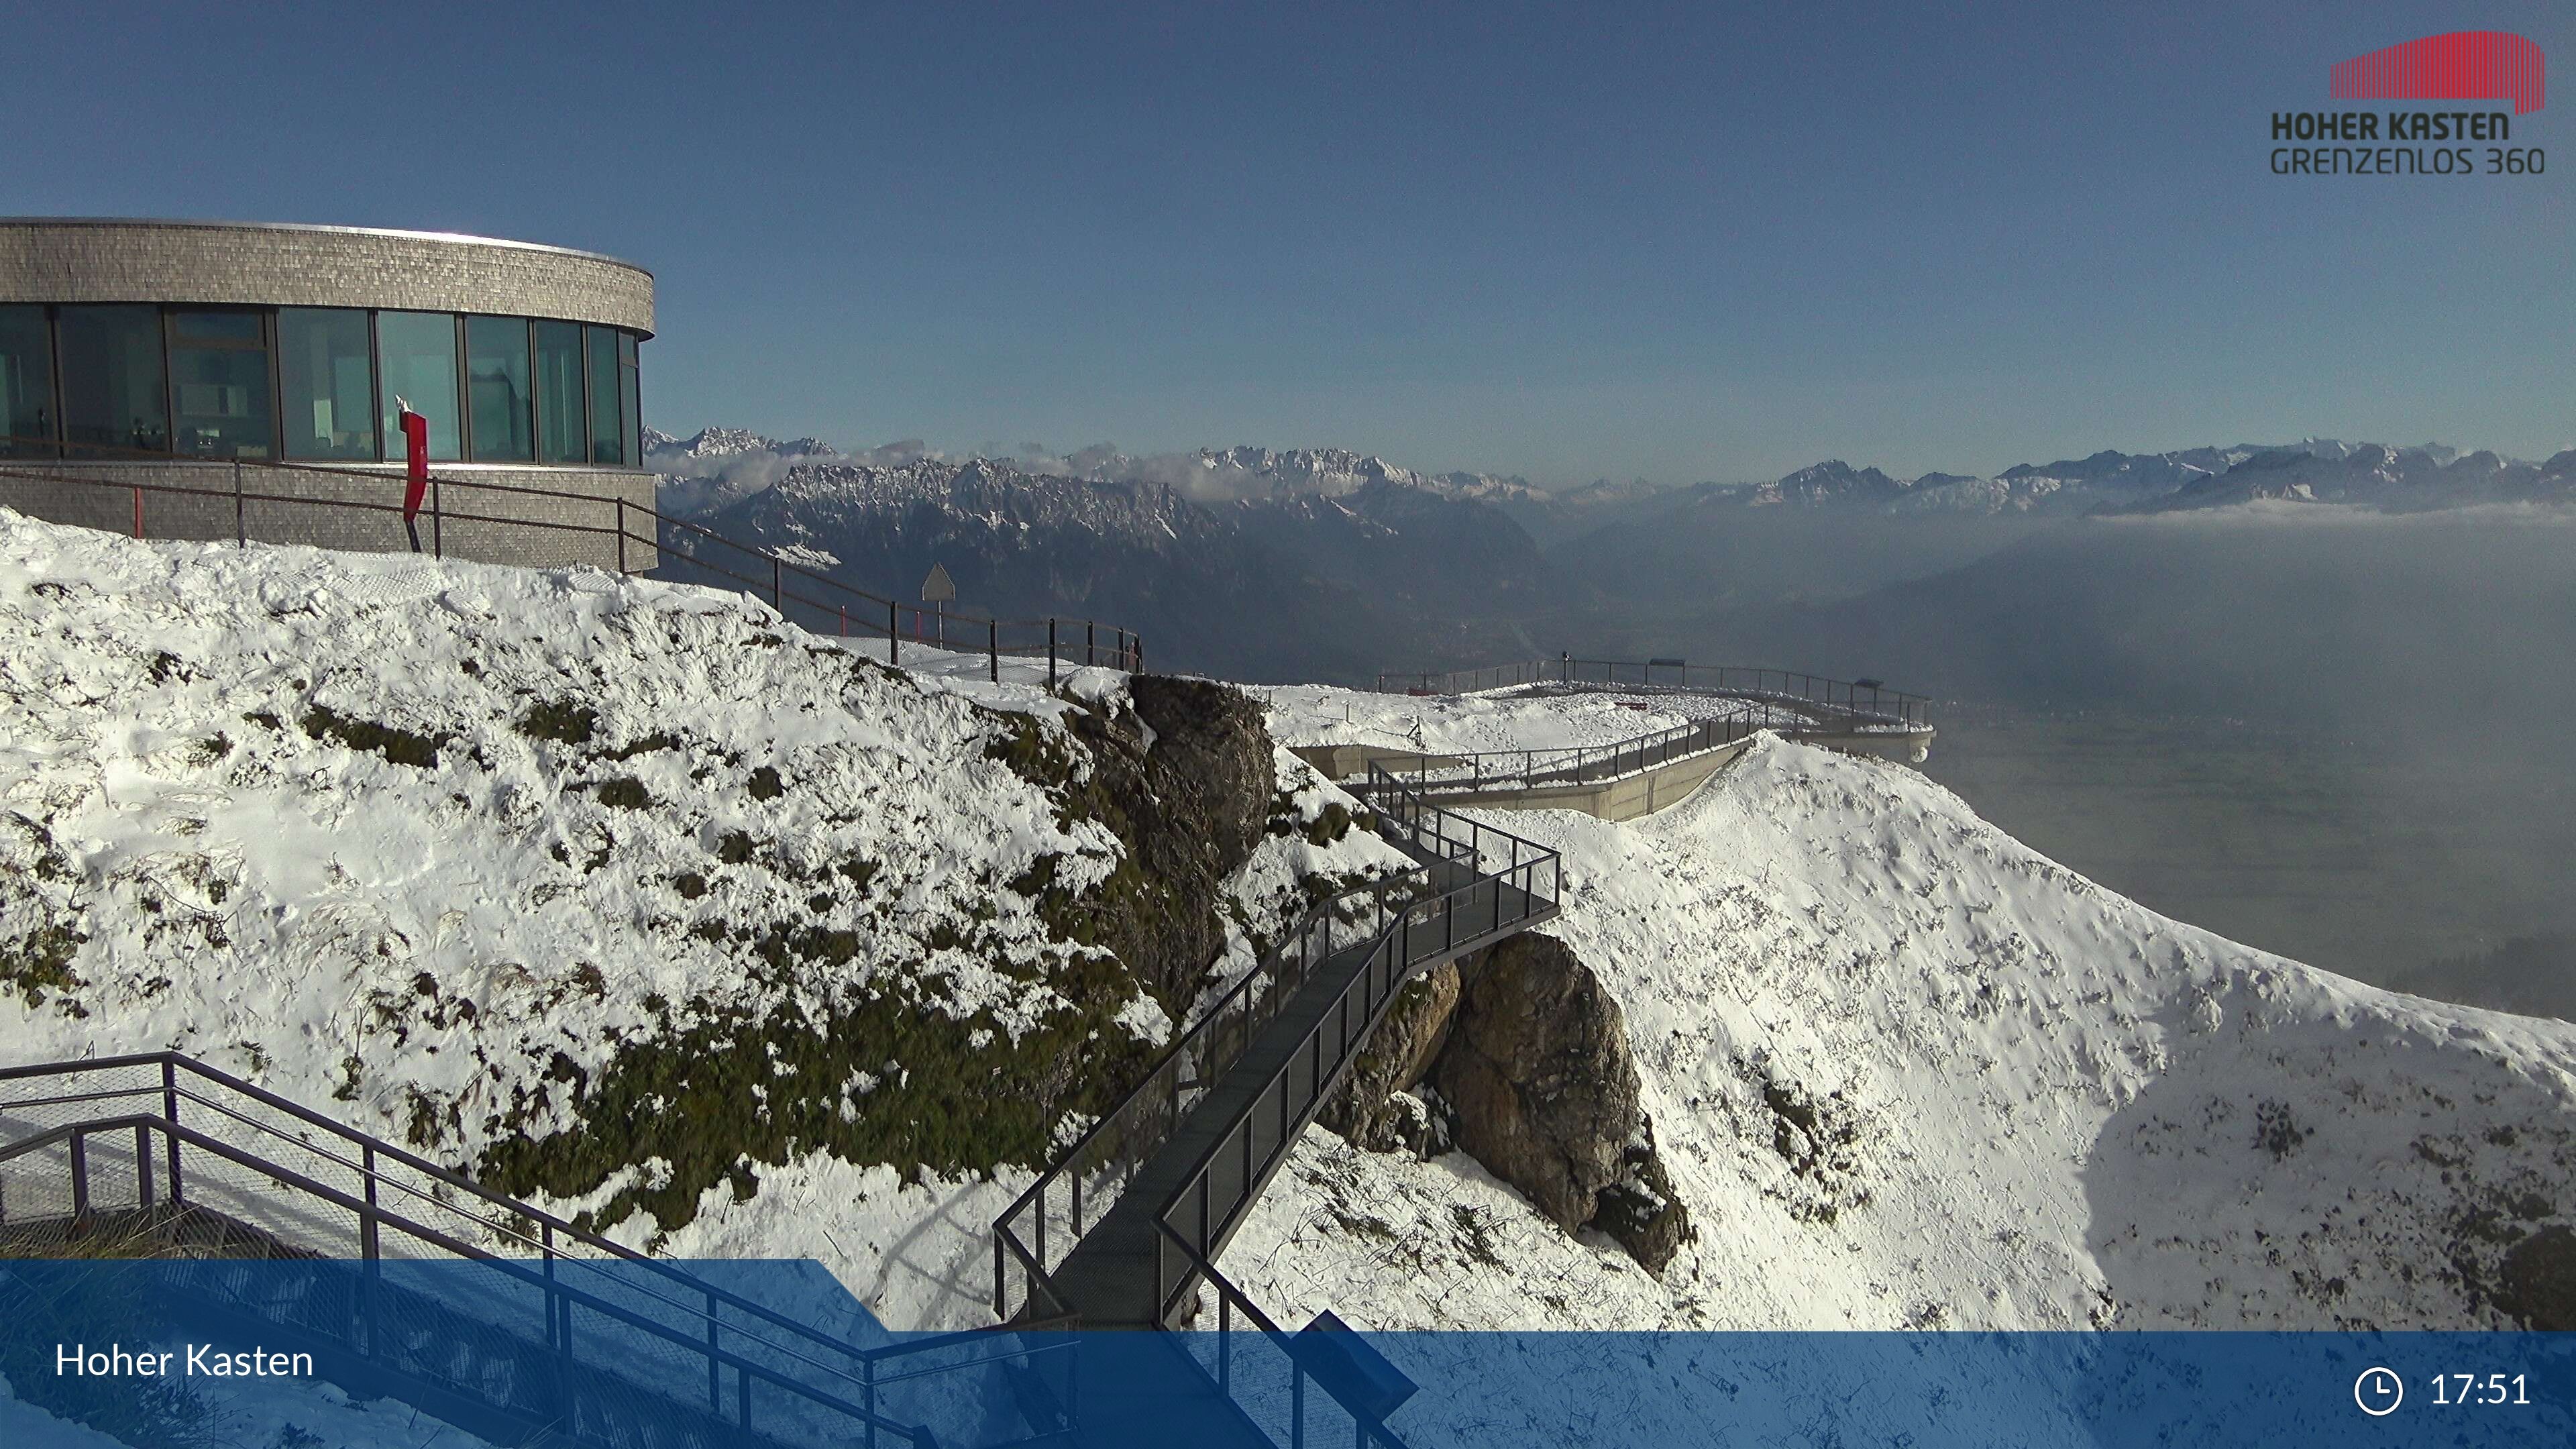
(1527, 1057)
(1189, 795)
(1210, 763)
(1370, 1108)
(2539, 1280)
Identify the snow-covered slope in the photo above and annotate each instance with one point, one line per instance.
(621, 895)
(1906, 1071)
(442, 848)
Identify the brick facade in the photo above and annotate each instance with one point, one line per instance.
(51, 260)
(59, 260)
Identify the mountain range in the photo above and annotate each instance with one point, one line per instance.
(1325, 563)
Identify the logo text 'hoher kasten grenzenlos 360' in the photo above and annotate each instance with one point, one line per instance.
(2461, 65)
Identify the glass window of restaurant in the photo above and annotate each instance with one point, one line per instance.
(416, 363)
(630, 415)
(26, 383)
(563, 435)
(116, 398)
(219, 385)
(327, 381)
(606, 446)
(497, 393)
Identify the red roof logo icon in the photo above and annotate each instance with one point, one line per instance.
(2462, 65)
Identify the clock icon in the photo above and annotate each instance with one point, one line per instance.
(2379, 1391)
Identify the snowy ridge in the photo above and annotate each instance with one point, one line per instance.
(440, 848)
(1907, 1072)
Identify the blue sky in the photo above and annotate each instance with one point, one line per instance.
(1680, 242)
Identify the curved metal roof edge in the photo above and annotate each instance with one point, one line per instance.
(439, 236)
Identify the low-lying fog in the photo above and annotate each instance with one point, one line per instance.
(2338, 735)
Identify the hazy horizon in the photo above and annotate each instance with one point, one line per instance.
(1682, 243)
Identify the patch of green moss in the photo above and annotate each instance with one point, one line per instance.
(734, 847)
(213, 747)
(39, 935)
(398, 746)
(1027, 748)
(1330, 824)
(720, 1088)
(689, 884)
(658, 740)
(623, 793)
(560, 720)
(765, 784)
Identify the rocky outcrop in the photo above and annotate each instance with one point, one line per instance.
(1373, 1108)
(1525, 1055)
(1185, 782)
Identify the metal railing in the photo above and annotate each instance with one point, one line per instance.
(1507, 883)
(812, 599)
(130, 1137)
(1510, 883)
(1860, 699)
(1038, 1230)
(1572, 765)
(1259, 1367)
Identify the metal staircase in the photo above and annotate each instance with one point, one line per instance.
(1123, 1231)
(414, 1284)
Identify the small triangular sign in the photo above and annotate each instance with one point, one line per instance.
(938, 588)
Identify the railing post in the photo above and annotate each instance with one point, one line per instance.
(715, 1377)
(777, 585)
(1090, 646)
(80, 1176)
(993, 646)
(437, 520)
(1297, 1407)
(894, 635)
(367, 1229)
(138, 510)
(1050, 651)
(143, 1167)
(241, 534)
(170, 1113)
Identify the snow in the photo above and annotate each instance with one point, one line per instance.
(187, 781)
(2027, 1103)
(1516, 719)
(254, 1411)
(2045, 1106)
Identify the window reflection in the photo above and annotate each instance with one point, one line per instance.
(607, 443)
(115, 394)
(496, 380)
(110, 380)
(328, 391)
(563, 435)
(219, 384)
(26, 383)
(416, 361)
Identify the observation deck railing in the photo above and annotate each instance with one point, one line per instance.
(812, 599)
(1863, 701)
(1268, 1055)
(152, 1142)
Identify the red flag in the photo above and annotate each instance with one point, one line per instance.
(416, 452)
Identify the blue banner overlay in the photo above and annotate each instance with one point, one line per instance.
(310, 1352)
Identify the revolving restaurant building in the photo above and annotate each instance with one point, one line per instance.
(207, 360)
